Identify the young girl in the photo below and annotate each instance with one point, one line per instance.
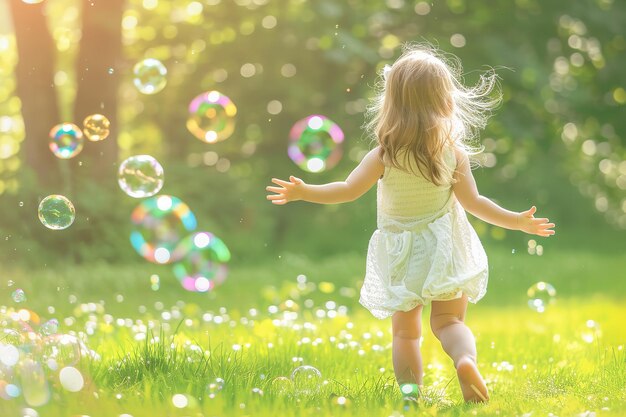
(424, 250)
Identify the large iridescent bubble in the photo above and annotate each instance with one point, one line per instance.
(66, 140)
(315, 143)
(56, 212)
(211, 117)
(159, 225)
(140, 176)
(202, 262)
(150, 76)
(96, 127)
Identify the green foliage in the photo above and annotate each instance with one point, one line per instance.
(559, 127)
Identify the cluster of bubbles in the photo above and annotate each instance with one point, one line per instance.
(315, 143)
(56, 212)
(164, 227)
(163, 233)
(35, 358)
(67, 139)
(540, 296)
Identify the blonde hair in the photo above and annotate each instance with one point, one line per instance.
(422, 107)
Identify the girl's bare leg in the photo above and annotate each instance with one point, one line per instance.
(407, 359)
(447, 322)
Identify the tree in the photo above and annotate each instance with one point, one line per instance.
(35, 87)
(99, 56)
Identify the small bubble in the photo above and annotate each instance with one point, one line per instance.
(18, 295)
(214, 387)
(111, 71)
(21, 204)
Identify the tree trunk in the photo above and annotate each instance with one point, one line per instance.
(97, 78)
(36, 90)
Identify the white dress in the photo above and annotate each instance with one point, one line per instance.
(424, 248)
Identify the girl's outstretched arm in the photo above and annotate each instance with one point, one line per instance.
(466, 192)
(361, 179)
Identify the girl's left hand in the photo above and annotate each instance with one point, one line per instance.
(288, 191)
(527, 222)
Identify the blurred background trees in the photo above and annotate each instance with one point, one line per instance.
(557, 141)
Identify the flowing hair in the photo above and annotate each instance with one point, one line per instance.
(422, 107)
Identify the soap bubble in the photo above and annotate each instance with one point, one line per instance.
(36, 391)
(56, 212)
(540, 295)
(96, 127)
(315, 143)
(66, 140)
(281, 386)
(19, 296)
(150, 76)
(201, 267)
(32, 1)
(140, 176)
(71, 379)
(214, 387)
(211, 117)
(159, 224)
(306, 379)
(50, 327)
(62, 349)
(591, 331)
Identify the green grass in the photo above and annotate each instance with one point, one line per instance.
(153, 345)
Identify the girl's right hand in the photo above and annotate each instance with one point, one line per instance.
(526, 222)
(288, 191)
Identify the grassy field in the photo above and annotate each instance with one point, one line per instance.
(146, 352)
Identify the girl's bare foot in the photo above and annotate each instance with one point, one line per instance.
(472, 384)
